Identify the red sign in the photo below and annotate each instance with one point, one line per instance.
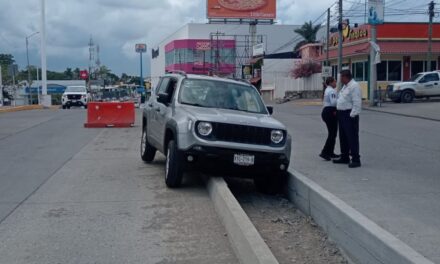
(244, 9)
(84, 75)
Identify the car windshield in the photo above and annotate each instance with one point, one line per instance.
(415, 77)
(73, 89)
(223, 95)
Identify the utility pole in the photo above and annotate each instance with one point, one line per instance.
(373, 66)
(340, 44)
(431, 16)
(46, 99)
(328, 38)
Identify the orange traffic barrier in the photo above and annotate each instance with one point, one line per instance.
(110, 114)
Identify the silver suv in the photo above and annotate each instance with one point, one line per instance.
(214, 125)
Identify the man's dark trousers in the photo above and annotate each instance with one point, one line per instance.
(349, 135)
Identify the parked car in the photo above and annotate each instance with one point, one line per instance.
(425, 84)
(75, 96)
(215, 125)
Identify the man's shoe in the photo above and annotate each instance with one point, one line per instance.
(326, 157)
(341, 161)
(354, 164)
(335, 156)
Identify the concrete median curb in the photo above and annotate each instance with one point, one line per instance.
(361, 239)
(247, 243)
(25, 108)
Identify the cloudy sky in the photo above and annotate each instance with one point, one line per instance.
(116, 25)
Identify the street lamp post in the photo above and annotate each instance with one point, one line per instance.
(28, 66)
(141, 48)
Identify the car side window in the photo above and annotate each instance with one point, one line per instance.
(162, 88)
(432, 77)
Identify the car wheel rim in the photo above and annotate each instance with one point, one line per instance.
(167, 164)
(144, 140)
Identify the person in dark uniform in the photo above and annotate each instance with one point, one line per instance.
(349, 107)
(329, 117)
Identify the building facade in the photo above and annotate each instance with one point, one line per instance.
(404, 48)
(199, 48)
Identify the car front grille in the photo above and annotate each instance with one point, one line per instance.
(73, 96)
(242, 134)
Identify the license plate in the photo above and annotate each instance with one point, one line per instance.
(74, 101)
(244, 160)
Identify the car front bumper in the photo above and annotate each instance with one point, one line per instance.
(215, 160)
(75, 103)
(393, 95)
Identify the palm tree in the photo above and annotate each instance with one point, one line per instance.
(308, 31)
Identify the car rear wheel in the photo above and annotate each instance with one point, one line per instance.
(173, 166)
(270, 184)
(147, 151)
(407, 96)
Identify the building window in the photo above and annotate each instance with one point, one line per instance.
(367, 71)
(433, 66)
(382, 71)
(358, 71)
(335, 71)
(416, 67)
(394, 70)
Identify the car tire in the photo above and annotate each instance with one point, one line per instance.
(407, 96)
(64, 107)
(85, 107)
(148, 152)
(270, 184)
(173, 166)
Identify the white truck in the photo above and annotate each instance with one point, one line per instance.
(75, 96)
(421, 85)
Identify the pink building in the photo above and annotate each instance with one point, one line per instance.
(201, 56)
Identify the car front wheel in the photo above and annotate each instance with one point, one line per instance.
(407, 97)
(147, 151)
(173, 166)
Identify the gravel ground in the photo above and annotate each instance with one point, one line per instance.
(292, 237)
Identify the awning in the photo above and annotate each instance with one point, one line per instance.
(255, 79)
(408, 47)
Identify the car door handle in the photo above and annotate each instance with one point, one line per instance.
(436, 83)
(150, 104)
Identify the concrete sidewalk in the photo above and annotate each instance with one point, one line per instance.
(398, 186)
(429, 110)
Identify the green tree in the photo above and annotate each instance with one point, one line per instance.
(308, 32)
(76, 73)
(5, 61)
(68, 74)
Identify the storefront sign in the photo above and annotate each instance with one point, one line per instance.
(349, 35)
(203, 45)
(141, 48)
(376, 12)
(258, 50)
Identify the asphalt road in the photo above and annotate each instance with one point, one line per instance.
(398, 186)
(75, 195)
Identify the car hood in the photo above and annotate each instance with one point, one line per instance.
(232, 117)
(405, 83)
(67, 93)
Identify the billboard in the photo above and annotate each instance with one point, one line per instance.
(241, 9)
(376, 12)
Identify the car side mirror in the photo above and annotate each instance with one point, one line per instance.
(270, 109)
(163, 98)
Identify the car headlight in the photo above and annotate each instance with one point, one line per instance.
(204, 128)
(277, 136)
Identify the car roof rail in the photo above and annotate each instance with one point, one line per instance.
(183, 73)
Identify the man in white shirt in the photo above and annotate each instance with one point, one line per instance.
(349, 107)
